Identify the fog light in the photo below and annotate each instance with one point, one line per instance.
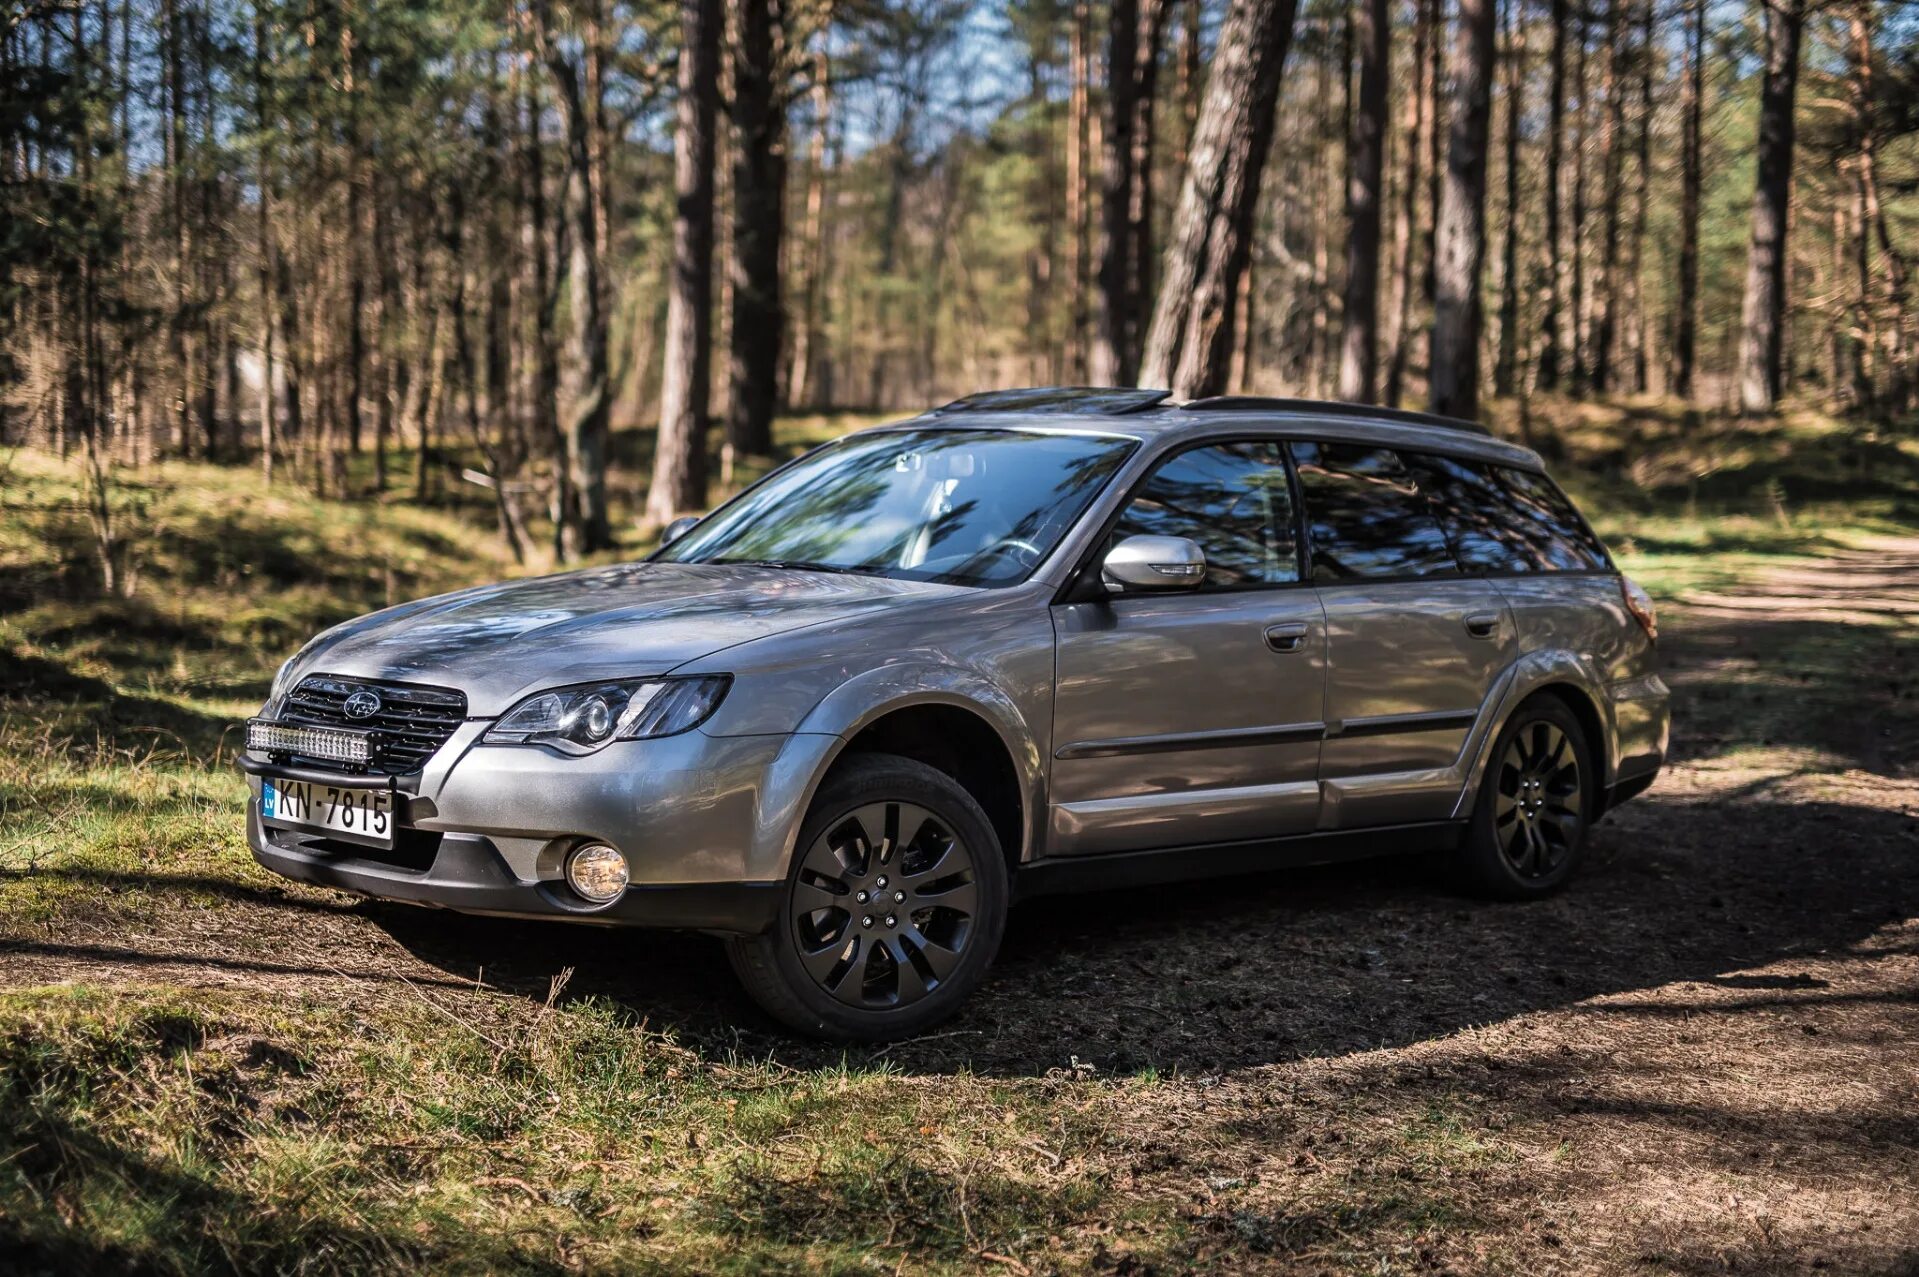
(596, 872)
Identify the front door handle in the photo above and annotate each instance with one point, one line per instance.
(1287, 637)
(1482, 625)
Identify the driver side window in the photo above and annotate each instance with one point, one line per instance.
(1231, 498)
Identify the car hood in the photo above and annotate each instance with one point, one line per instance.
(498, 643)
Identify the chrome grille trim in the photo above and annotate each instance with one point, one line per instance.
(413, 720)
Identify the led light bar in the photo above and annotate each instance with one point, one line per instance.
(330, 744)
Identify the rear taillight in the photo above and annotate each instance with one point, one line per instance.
(1639, 603)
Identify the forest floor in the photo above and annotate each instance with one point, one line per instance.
(1701, 1058)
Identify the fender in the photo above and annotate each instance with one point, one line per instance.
(856, 704)
(1536, 669)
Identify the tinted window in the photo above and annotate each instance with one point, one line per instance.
(1549, 529)
(1233, 499)
(1477, 512)
(1504, 520)
(1365, 515)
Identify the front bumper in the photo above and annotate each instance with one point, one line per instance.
(705, 824)
(466, 873)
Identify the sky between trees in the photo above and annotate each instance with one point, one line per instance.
(296, 232)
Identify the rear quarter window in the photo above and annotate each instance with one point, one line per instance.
(1550, 529)
(1503, 520)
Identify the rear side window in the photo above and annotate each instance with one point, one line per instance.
(1233, 499)
(1504, 520)
(1551, 531)
(1365, 515)
(1476, 511)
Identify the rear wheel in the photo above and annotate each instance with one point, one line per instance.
(894, 906)
(1535, 804)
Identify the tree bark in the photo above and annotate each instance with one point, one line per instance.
(1636, 332)
(1189, 346)
(1762, 314)
(1506, 362)
(1405, 233)
(1453, 377)
(1113, 298)
(1613, 153)
(679, 464)
(1152, 18)
(1685, 341)
(1551, 325)
(1359, 344)
(809, 335)
(759, 227)
(584, 523)
(1576, 248)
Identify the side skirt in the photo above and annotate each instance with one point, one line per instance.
(1218, 860)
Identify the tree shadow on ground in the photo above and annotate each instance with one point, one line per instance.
(1207, 977)
(95, 712)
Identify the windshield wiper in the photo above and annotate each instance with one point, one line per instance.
(792, 565)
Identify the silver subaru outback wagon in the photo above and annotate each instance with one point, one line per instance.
(1032, 642)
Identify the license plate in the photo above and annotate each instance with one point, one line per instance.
(356, 815)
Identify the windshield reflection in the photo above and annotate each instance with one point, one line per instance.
(968, 507)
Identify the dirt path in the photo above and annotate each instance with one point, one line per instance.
(1704, 1057)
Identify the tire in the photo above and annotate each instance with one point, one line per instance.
(905, 959)
(1535, 806)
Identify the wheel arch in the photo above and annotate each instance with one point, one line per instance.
(950, 718)
(1575, 681)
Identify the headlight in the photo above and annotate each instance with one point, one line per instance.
(579, 720)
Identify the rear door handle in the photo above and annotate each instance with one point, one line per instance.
(1482, 625)
(1287, 637)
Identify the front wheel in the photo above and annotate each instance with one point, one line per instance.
(894, 906)
(1535, 804)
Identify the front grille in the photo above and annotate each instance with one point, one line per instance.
(411, 723)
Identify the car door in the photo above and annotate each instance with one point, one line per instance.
(1194, 717)
(1414, 647)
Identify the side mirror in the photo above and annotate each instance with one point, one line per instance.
(677, 529)
(1154, 563)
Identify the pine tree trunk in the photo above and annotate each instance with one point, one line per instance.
(1113, 298)
(808, 335)
(1189, 345)
(1612, 144)
(1405, 236)
(1552, 322)
(759, 227)
(1506, 363)
(1576, 248)
(1453, 377)
(585, 526)
(1636, 333)
(1139, 222)
(1359, 344)
(679, 464)
(1685, 342)
(1762, 314)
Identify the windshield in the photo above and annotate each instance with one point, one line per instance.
(971, 507)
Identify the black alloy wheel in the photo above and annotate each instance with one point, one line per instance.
(1536, 803)
(1539, 799)
(894, 908)
(883, 906)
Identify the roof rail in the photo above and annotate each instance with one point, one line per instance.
(1076, 401)
(1332, 408)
